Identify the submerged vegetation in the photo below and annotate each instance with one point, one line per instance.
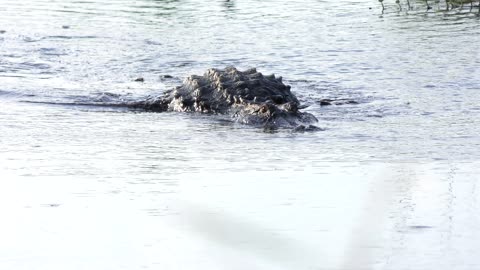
(436, 5)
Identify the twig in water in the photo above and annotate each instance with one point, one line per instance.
(383, 7)
(428, 6)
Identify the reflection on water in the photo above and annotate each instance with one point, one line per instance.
(340, 216)
(390, 184)
(426, 7)
(229, 5)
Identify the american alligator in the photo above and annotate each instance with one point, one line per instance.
(249, 97)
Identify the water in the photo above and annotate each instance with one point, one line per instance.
(390, 184)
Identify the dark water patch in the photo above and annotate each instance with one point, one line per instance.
(31, 39)
(300, 81)
(94, 100)
(51, 205)
(33, 65)
(11, 75)
(107, 97)
(340, 101)
(52, 52)
(15, 95)
(4, 93)
(10, 55)
(71, 37)
(420, 227)
(95, 106)
(166, 78)
(25, 69)
(152, 42)
(84, 12)
(186, 63)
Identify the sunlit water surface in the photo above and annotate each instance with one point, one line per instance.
(390, 184)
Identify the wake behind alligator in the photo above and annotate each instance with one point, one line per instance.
(249, 97)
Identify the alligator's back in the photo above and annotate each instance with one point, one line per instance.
(249, 96)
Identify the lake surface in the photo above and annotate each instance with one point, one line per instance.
(391, 183)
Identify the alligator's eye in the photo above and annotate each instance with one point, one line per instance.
(278, 99)
(187, 102)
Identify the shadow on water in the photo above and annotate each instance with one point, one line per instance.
(232, 231)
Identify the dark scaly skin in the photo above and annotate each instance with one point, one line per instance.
(248, 96)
